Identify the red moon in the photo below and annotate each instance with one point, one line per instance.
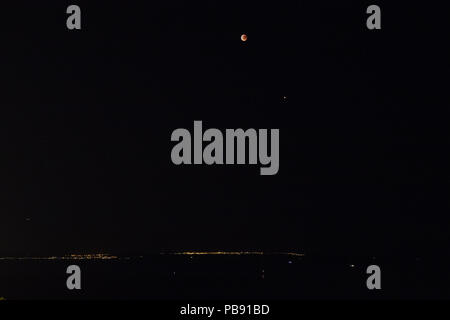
(244, 37)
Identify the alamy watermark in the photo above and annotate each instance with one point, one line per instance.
(236, 151)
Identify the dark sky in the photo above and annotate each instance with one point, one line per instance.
(86, 118)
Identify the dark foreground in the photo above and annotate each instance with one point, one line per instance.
(226, 277)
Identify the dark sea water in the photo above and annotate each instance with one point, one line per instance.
(224, 277)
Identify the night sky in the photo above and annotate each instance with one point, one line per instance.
(86, 119)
